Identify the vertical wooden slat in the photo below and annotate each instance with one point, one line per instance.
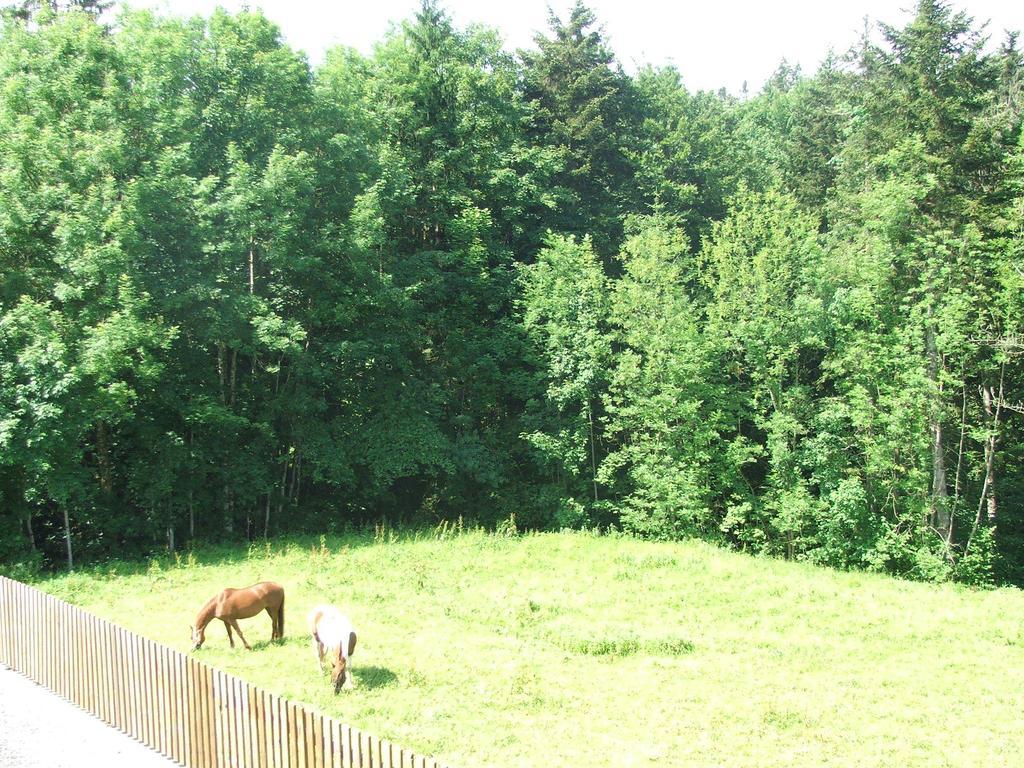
(202, 749)
(25, 650)
(170, 721)
(42, 639)
(82, 667)
(98, 667)
(192, 721)
(307, 736)
(170, 680)
(227, 720)
(95, 667)
(278, 735)
(5, 623)
(209, 744)
(6, 631)
(252, 726)
(21, 651)
(134, 706)
(66, 654)
(32, 630)
(107, 692)
(45, 640)
(181, 685)
(168, 699)
(117, 689)
(9, 613)
(293, 730)
(348, 750)
(273, 731)
(220, 735)
(160, 669)
(96, 664)
(284, 732)
(328, 742)
(337, 759)
(123, 678)
(142, 688)
(366, 750)
(235, 718)
(152, 695)
(141, 704)
(174, 698)
(237, 728)
(251, 751)
(53, 622)
(181, 706)
(30, 651)
(240, 717)
(172, 703)
(230, 753)
(216, 727)
(303, 737)
(86, 662)
(318, 741)
(12, 613)
(203, 710)
(261, 728)
(76, 656)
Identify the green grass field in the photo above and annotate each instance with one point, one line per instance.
(569, 649)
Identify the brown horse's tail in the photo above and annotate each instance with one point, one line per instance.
(280, 620)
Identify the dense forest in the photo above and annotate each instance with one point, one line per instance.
(241, 297)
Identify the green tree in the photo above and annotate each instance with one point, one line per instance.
(584, 107)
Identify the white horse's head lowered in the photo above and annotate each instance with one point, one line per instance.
(333, 636)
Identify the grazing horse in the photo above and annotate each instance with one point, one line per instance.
(334, 636)
(229, 605)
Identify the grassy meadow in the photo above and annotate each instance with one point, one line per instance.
(572, 649)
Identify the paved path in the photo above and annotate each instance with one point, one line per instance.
(39, 729)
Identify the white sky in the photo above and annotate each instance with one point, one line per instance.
(713, 43)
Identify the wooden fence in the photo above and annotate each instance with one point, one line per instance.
(194, 714)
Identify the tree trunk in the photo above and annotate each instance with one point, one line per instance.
(963, 433)
(221, 374)
(284, 485)
(988, 492)
(940, 515)
(295, 474)
(234, 369)
(987, 500)
(31, 534)
(593, 452)
(67, 539)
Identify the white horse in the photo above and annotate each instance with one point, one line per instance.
(333, 636)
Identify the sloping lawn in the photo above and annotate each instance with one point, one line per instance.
(569, 649)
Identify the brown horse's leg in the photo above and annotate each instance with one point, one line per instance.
(227, 626)
(238, 629)
(273, 623)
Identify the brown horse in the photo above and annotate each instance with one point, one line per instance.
(229, 605)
